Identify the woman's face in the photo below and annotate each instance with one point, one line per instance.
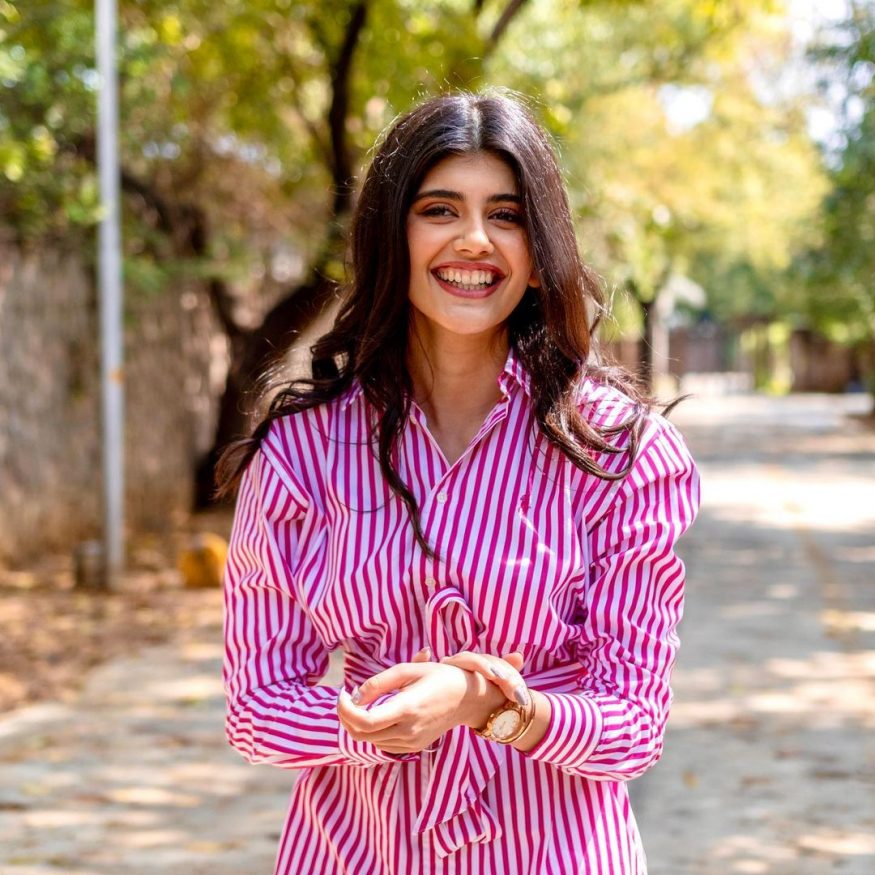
(469, 255)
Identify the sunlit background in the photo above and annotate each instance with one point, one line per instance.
(720, 161)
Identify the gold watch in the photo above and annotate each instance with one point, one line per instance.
(508, 722)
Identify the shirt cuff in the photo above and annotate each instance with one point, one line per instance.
(572, 734)
(366, 753)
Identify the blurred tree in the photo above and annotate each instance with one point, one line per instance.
(238, 117)
(47, 96)
(682, 157)
(837, 279)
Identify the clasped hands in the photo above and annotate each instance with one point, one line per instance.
(431, 698)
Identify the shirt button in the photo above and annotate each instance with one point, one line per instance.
(430, 582)
(442, 497)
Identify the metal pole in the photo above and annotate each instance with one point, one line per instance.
(110, 291)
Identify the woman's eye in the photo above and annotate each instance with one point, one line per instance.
(437, 210)
(507, 216)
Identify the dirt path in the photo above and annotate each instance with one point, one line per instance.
(770, 759)
(135, 776)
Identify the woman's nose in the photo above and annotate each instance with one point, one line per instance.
(474, 239)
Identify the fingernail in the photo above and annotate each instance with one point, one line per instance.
(426, 652)
(497, 672)
(521, 694)
(356, 695)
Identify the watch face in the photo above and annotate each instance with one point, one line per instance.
(506, 724)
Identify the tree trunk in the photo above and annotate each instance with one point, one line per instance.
(251, 357)
(255, 351)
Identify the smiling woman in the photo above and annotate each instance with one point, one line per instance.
(469, 256)
(482, 517)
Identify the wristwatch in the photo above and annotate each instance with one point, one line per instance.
(508, 722)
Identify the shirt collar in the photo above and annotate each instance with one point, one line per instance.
(352, 394)
(513, 373)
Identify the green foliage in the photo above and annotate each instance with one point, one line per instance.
(224, 111)
(838, 276)
(47, 81)
(726, 198)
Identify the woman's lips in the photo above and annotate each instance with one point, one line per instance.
(485, 292)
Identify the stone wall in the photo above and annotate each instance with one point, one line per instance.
(50, 462)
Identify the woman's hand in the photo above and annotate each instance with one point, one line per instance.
(503, 672)
(433, 697)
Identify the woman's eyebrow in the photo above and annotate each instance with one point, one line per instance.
(446, 194)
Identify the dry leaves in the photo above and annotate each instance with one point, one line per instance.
(53, 634)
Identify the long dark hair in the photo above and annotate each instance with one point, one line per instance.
(551, 328)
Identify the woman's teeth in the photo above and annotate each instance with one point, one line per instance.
(468, 279)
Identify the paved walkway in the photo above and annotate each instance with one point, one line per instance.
(770, 760)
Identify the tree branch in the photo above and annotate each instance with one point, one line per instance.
(186, 226)
(163, 211)
(510, 11)
(341, 166)
(321, 146)
(194, 228)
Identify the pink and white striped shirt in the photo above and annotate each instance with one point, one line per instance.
(578, 572)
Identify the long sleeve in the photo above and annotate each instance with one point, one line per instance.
(613, 728)
(276, 712)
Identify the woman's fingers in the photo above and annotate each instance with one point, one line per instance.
(424, 655)
(393, 678)
(347, 711)
(516, 659)
(504, 673)
(365, 727)
(358, 720)
(428, 702)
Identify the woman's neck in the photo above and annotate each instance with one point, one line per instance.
(455, 377)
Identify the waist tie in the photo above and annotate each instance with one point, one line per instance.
(454, 812)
